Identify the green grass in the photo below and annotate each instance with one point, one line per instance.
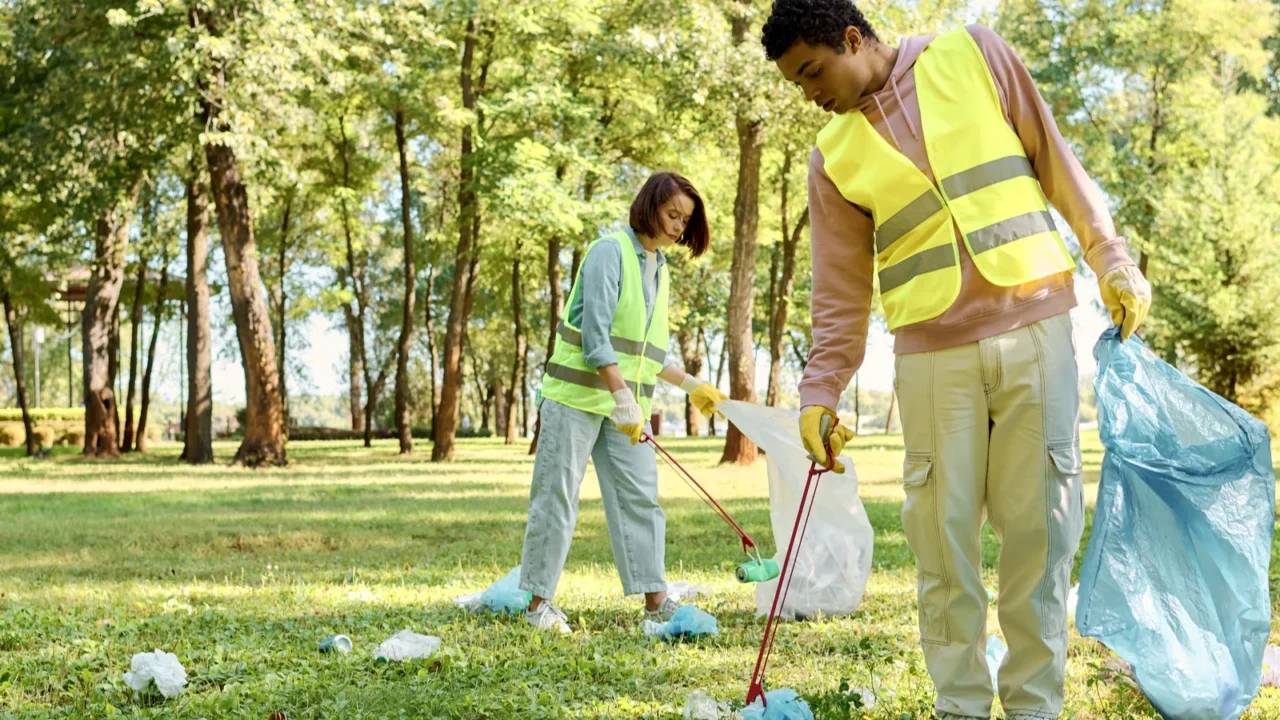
(240, 573)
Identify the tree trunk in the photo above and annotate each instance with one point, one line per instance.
(352, 312)
(102, 301)
(113, 364)
(490, 394)
(781, 285)
(446, 424)
(376, 386)
(517, 367)
(691, 355)
(198, 432)
(498, 398)
(355, 370)
(161, 295)
(746, 212)
(724, 355)
(263, 442)
(19, 370)
(280, 300)
(524, 394)
(780, 309)
(406, 329)
(135, 324)
(430, 327)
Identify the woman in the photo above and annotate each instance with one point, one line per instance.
(596, 395)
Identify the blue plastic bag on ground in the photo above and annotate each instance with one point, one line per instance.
(784, 704)
(688, 622)
(505, 595)
(1175, 576)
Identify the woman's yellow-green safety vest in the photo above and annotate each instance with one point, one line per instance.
(641, 351)
(986, 188)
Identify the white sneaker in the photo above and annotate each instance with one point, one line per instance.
(664, 612)
(548, 617)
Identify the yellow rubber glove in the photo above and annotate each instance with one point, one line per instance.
(627, 415)
(704, 395)
(1128, 296)
(818, 429)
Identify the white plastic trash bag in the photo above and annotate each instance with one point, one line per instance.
(159, 667)
(833, 562)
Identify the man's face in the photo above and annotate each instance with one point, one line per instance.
(833, 79)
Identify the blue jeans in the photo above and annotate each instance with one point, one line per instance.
(628, 477)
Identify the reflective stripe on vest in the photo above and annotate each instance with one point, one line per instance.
(622, 345)
(988, 191)
(639, 339)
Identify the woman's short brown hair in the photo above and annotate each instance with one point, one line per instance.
(659, 188)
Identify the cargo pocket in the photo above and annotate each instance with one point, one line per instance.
(1065, 495)
(920, 522)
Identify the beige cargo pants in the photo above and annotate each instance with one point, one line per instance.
(991, 433)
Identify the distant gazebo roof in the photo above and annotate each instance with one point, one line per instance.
(73, 286)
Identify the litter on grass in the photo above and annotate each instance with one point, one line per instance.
(407, 645)
(503, 596)
(688, 622)
(1271, 666)
(158, 669)
(702, 706)
(782, 704)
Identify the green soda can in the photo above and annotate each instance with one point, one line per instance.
(758, 571)
(336, 643)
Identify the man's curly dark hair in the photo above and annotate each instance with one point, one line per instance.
(813, 21)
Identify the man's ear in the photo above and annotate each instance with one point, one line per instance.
(853, 39)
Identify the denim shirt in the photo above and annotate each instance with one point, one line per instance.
(599, 287)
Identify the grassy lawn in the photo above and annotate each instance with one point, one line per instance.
(240, 573)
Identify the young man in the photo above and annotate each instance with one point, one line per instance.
(933, 180)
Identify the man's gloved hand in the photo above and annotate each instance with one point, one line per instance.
(819, 428)
(704, 395)
(1128, 296)
(627, 415)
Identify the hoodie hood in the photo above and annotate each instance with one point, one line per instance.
(908, 52)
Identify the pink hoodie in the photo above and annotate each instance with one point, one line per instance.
(843, 234)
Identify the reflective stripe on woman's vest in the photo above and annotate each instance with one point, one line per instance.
(988, 189)
(641, 351)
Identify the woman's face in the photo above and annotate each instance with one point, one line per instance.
(673, 218)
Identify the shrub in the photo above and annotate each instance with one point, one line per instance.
(45, 436)
(11, 434)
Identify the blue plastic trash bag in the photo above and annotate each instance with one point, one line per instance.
(688, 622)
(996, 651)
(1175, 576)
(505, 595)
(782, 704)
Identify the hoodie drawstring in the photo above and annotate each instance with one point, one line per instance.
(905, 115)
(892, 135)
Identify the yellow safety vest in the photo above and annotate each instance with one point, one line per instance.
(641, 350)
(987, 189)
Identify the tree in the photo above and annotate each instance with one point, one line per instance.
(479, 37)
(406, 327)
(198, 429)
(1217, 303)
(162, 295)
(746, 217)
(135, 325)
(263, 442)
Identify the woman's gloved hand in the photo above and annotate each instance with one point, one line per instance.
(703, 394)
(627, 415)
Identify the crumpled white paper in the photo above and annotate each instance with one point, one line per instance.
(159, 667)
